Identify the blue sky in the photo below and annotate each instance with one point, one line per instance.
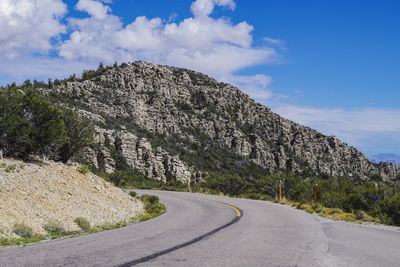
(330, 65)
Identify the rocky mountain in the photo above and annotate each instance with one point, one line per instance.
(173, 123)
(387, 157)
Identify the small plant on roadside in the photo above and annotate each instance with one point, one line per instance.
(310, 210)
(295, 204)
(23, 230)
(11, 168)
(54, 228)
(84, 169)
(152, 207)
(304, 206)
(83, 224)
(3, 165)
(132, 194)
(348, 217)
(363, 216)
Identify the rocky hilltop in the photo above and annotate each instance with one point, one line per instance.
(173, 123)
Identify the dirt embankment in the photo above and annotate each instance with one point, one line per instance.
(39, 193)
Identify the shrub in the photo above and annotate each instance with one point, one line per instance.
(318, 210)
(3, 165)
(132, 194)
(23, 230)
(29, 123)
(333, 211)
(363, 216)
(348, 217)
(54, 229)
(304, 206)
(84, 169)
(151, 204)
(83, 223)
(295, 204)
(11, 168)
(151, 199)
(391, 207)
(310, 210)
(79, 132)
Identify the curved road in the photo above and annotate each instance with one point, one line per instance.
(199, 230)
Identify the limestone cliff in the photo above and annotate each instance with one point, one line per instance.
(172, 123)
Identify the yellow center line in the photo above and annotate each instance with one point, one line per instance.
(235, 209)
(238, 213)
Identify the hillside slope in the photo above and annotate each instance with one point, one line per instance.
(37, 194)
(175, 123)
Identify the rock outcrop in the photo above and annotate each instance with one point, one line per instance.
(161, 117)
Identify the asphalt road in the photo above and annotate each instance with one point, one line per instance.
(197, 230)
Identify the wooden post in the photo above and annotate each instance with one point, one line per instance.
(315, 193)
(280, 190)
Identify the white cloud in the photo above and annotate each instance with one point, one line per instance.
(369, 128)
(276, 42)
(214, 46)
(255, 86)
(202, 8)
(27, 26)
(93, 8)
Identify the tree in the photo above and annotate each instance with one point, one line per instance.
(28, 123)
(79, 134)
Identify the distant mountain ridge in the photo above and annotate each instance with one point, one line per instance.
(173, 123)
(386, 157)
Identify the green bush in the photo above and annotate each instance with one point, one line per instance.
(79, 134)
(152, 205)
(29, 123)
(54, 228)
(231, 184)
(132, 194)
(391, 207)
(84, 169)
(23, 230)
(11, 168)
(83, 224)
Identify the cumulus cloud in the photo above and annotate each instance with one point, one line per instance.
(201, 8)
(214, 46)
(28, 26)
(369, 128)
(93, 8)
(256, 85)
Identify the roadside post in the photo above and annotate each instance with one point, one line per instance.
(315, 193)
(280, 190)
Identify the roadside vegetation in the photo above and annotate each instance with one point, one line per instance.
(31, 125)
(339, 198)
(344, 198)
